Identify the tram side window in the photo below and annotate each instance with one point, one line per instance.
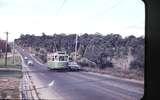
(56, 58)
(70, 59)
(52, 58)
(66, 58)
(61, 58)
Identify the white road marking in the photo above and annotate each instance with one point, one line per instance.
(51, 83)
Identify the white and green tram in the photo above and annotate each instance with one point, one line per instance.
(58, 60)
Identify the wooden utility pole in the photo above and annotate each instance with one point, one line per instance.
(6, 48)
(13, 52)
(76, 48)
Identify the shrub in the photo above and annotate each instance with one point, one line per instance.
(86, 62)
(136, 64)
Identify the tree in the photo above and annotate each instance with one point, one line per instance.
(93, 47)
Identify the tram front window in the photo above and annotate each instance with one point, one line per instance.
(62, 58)
(53, 59)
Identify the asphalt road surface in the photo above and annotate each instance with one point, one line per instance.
(81, 85)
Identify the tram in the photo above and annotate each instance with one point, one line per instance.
(58, 60)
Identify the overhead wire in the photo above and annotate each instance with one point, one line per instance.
(59, 9)
(132, 26)
(106, 10)
(114, 6)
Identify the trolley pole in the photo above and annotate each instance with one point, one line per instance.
(6, 48)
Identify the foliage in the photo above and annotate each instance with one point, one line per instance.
(94, 47)
(2, 46)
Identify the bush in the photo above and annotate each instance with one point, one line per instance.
(136, 64)
(106, 64)
(43, 58)
(86, 62)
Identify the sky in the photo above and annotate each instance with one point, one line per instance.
(124, 17)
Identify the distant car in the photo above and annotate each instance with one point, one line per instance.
(74, 66)
(30, 62)
(25, 58)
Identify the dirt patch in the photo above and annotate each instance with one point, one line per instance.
(9, 88)
(11, 72)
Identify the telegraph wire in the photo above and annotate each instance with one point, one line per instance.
(63, 3)
(114, 6)
(132, 26)
(110, 8)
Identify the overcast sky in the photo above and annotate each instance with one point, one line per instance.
(124, 17)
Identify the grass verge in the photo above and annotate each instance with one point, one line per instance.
(129, 74)
(10, 76)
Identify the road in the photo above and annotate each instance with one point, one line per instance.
(81, 85)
